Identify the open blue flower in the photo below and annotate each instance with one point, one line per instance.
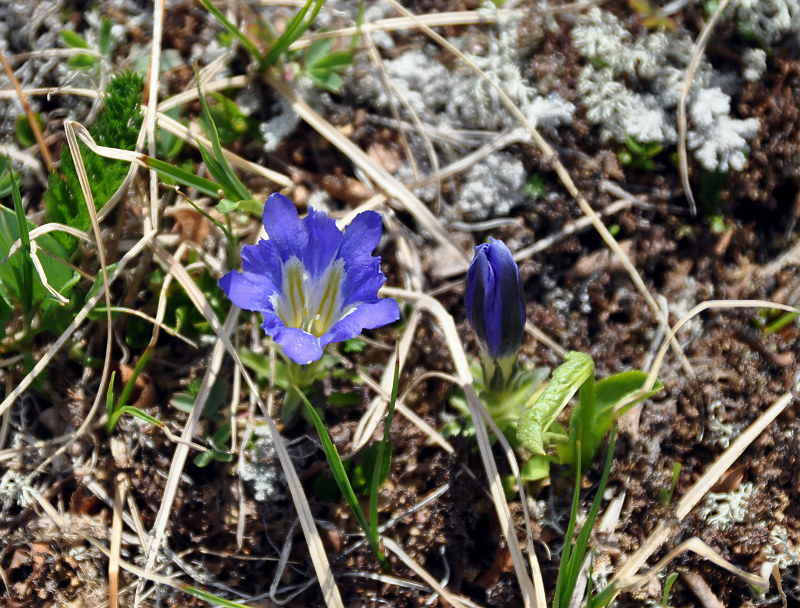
(313, 283)
(496, 309)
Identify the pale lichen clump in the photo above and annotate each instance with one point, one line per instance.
(724, 510)
(630, 89)
(261, 468)
(719, 141)
(768, 20)
(781, 551)
(493, 186)
(451, 98)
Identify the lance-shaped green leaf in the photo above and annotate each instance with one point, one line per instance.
(568, 377)
(591, 420)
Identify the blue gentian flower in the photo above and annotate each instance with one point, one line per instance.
(496, 310)
(313, 283)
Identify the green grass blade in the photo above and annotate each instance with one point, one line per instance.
(339, 474)
(26, 288)
(233, 30)
(184, 177)
(359, 23)
(137, 413)
(121, 407)
(382, 447)
(210, 597)
(563, 566)
(295, 28)
(221, 166)
(587, 412)
(126, 392)
(667, 588)
(579, 551)
(110, 400)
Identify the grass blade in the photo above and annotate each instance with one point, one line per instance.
(182, 176)
(377, 471)
(575, 560)
(222, 170)
(295, 28)
(339, 474)
(26, 286)
(233, 30)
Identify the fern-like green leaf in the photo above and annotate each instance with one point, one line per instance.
(117, 126)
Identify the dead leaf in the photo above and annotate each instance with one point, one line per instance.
(192, 225)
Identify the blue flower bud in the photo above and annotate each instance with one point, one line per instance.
(496, 310)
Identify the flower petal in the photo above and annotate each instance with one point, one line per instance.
(367, 315)
(300, 346)
(262, 259)
(248, 290)
(324, 242)
(361, 236)
(477, 279)
(495, 301)
(362, 280)
(363, 276)
(283, 225)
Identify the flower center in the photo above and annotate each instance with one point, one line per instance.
(308, 303)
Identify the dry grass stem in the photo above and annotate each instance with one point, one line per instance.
(359, 158)
(86, 189)
(32, 119)
(121, 487)
(626, 575)
(405, 23)
(319, 558)
(393, 547)
(181, 454)
(563, 175)
(697, 54)
(532, 592)
(192, 136)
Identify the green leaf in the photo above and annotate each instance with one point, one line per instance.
(535, 468)
(24, 131)
(82, 61)
(117, 126)
(383, 458)
(73, 40)
(215, 400)
(221, 436)
(673, 576)
(325, 79)
(573, 555)
(5, 177)
(344, 399)
(295, 28)
(340, 475)
(608, 392)
(203, 459)
(337, 61)
(182, 176)
(26, 285)
(59, 275)
(98, 281)
(235, 31)
(222, 171)
(104, 39)
(137, 413)
(317, 50)
(257, 362)
(354, 345)
(564, 383)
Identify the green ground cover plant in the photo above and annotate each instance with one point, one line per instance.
(334, 332)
